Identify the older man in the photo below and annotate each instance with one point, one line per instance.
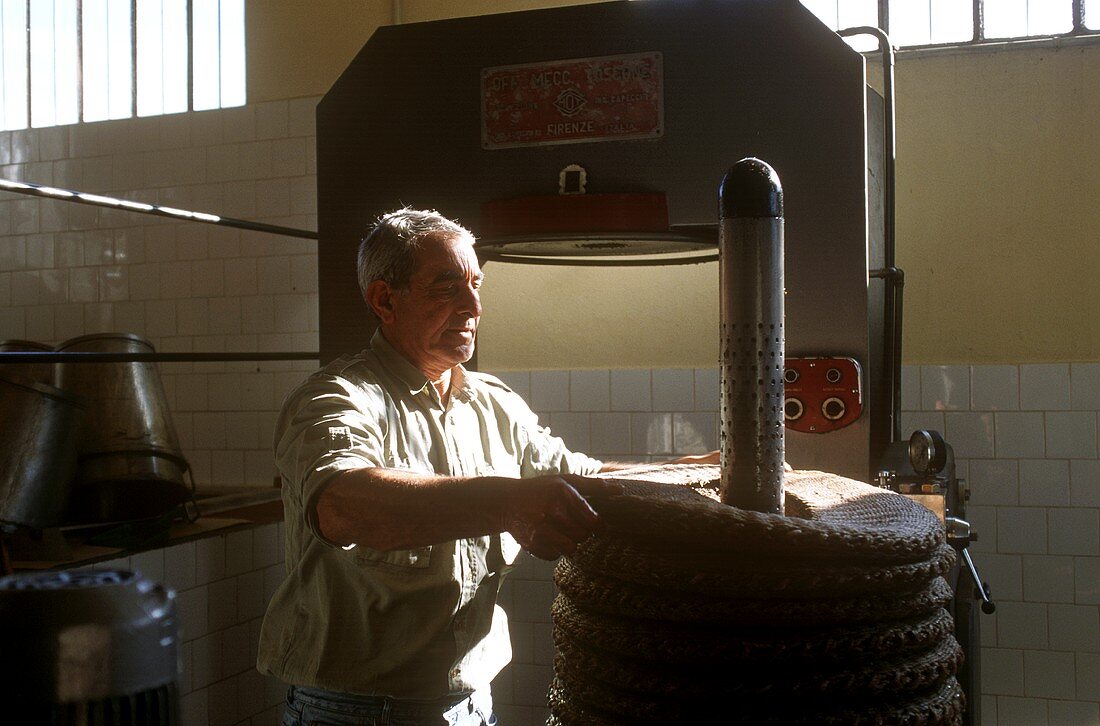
(407, 483)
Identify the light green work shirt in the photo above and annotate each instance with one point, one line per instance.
(419, 623)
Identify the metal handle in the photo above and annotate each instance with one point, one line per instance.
(988, 606)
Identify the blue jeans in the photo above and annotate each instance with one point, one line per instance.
(316, 707)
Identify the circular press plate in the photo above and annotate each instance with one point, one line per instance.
(594, 249)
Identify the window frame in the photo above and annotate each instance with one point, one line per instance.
(828, 11)
(189, 30)
(1078, 28)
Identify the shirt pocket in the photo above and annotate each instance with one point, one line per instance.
(504, 550)
(395, 562)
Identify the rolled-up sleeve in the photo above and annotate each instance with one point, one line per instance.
(540, 451)
(328, 425)
(548, 454)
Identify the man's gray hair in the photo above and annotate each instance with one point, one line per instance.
(386, 253)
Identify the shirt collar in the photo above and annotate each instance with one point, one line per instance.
(413, 377)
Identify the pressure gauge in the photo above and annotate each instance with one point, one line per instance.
(927, 452)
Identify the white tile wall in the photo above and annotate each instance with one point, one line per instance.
(1044, 482)
(673, 389)
(590, 390)
(631, 390)
(994, 387)
(1085, 386)
(1027, 439)
(549, 391)
(1044, 387)
(625, 414)
(945, 388)
(68, 270)
(1020, 434)
(219, 614)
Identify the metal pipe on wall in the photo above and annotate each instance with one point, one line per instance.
(750, 273)
(80, 357)
(99, 200)
(894, 278)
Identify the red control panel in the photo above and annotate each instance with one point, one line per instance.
(821, 394)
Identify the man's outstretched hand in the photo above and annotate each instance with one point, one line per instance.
(711, 457)
(548, 515)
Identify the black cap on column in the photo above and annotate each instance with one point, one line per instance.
(750, 189)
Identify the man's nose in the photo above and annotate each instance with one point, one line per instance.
(471, 301)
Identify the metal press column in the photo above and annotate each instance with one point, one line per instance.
(750, 267)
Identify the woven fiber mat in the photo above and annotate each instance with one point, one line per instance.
(601, 594)
(667, 508)
(729, 575)
(943, 705)
(661, 688)
(672, 643)
(682, 607)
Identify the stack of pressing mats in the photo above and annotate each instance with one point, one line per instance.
(686, 610)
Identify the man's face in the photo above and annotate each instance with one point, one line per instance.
(434, 322)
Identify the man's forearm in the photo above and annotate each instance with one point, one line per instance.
(388, 509)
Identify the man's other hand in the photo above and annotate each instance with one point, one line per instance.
(548, 515)
(711, 457)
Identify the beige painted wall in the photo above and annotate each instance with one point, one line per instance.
(999, 204)
(298, 49)
(998, 225)
(570, 317)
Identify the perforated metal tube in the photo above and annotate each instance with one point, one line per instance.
(751, 346)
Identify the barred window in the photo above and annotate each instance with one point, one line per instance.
(953, 22)
(66, 61)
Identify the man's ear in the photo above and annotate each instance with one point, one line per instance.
(380, 299)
